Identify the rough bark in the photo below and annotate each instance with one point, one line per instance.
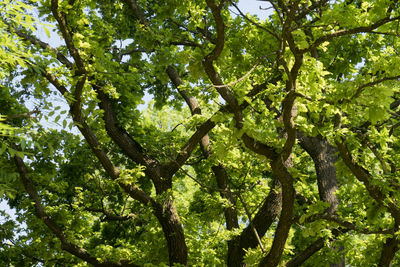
(169, 220)
(279, 168)
(324, 158)
(167, 214)
(323, 155)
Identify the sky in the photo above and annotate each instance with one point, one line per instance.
(253, 7)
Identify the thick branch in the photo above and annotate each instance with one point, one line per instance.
(190, 145)
(390, 247)
(258, 147)
(366, 178)
(300, 258)
(67, 36)
(208, 62)
(279, 169)
(323, 156)
(220, 27)
(137, 11)
(177, 81)
(262, 221)
(132, 148)
(75, 110)
(219, 170)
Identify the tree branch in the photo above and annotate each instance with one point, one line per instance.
(262, 220)
(75, 110)
(279, 168)
(130, 146)
(301, 257)
(365, 177)
(362, 29)
(35, 41)
(67, 37)
(110, 216)
(54, 228)
(255, 23)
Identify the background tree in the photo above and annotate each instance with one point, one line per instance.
(267, 142)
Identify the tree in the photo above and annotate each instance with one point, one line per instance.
(267, 142)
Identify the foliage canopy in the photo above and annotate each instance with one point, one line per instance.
(267, 142)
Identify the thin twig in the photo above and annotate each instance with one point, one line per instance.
(251, 223)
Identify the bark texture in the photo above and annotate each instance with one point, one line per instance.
(323, 155)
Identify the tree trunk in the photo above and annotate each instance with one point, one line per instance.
(323, 155)
(168, 217)
(280, 169)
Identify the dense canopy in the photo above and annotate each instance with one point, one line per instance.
(188, 133)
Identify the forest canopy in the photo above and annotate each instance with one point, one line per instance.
(268, 141)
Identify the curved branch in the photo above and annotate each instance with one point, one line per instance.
(363, 86)
(67, 37)
(35, 41)
(208, 62)
(366, 178)
(363, 29)
(75, 110)
(279, 168)
(130, 146)
(255, 23)
(300, 258)
(54, 228)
